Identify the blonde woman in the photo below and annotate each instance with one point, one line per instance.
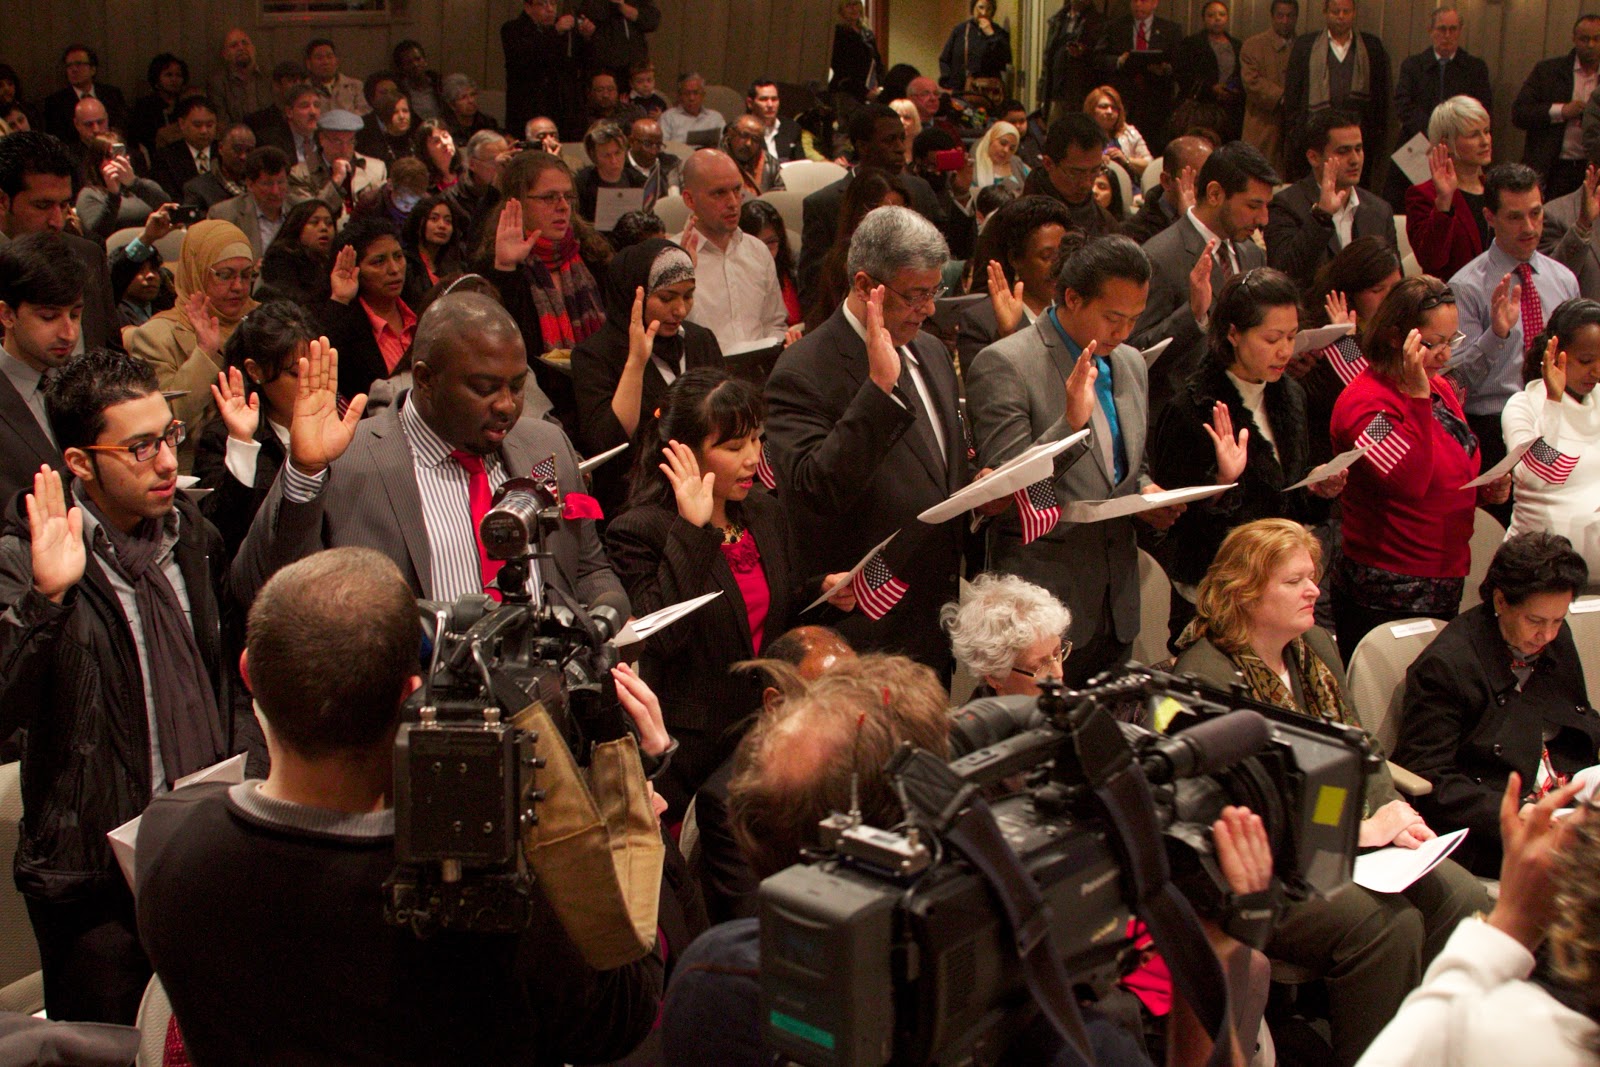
(911, 118)
(1444, 215)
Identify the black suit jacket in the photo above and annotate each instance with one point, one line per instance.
(1550, 82)
(853, 468)
(1416, 93)
(787, 140)
(207, 191)
(820, 223)
(59, 106)
(543, 75)
(663, 560)
(1373, 110)
(23, 445)
(173, 168)
(1298, 244)
(1147, 97)
(360, 360)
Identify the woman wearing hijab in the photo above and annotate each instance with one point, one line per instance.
(622, 372)
(995, 159)
(216, 269)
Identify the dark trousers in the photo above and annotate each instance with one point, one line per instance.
(1492, 447)
(94, 967)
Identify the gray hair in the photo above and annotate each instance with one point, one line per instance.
(1452, 117)
(478, 141)
(1000, 618)
(892, 239)
(455, 87)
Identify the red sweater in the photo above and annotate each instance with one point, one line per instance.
(1415, 519)
(1443, 244)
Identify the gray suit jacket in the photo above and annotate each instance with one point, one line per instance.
(1173, 253)
(1562, 244)
(241, 211)
(371, 499)
(1016, 398)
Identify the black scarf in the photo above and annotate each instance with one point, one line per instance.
(187, 725)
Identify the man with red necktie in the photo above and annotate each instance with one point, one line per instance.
(1145, 81)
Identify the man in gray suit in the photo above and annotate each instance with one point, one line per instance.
(1569, 235)
(413, 480)
(1195, 255)
(259, 211)
(1045, 382)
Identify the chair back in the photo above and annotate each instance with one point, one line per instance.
(672, 212)
(492, 102)
(788, 202)
(1487, 537)
(1151, 176)
(1155, 609)
(1584, 620)
(21, 984)
(155, 1013)
(1377, 674)
(574, 155)
(1124, 186)
(726, 101)
(806, 176)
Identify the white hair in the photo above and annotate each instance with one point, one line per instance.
(1452, 117)
(1001, 618)
(892, 239)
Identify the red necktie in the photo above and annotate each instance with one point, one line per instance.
(479, 499)
(1140, 41)
(1532, 308)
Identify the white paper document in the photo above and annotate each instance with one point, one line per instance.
(1322, 472)
(1412, 159)
(851, 576)
(641, 628)
(1133, 504)
(1511, 460)
(1151, 354)
(1321, 337)
(1393, 869)
(1036, 464)
(594, 461)
(611, 204)
(124, 837)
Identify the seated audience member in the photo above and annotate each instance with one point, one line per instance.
(1254, 626)
(407, 185)
(299, 259)
(869, 189)
(474, 198)
(1478, 1005)
(781, 135)
(240, 452)
(738, 298)
(1107, 191)
(366, 317)
(1558, 481)
(642, 89)
(297, 136)
(461, 114)
(456, 435)
(911, 118)
(433, 143)
(269, 122)
(995, 159)
(1501, 690)
(607, 149)
(226, 178)
(1124, 144)
(1312, 220)
(216, 271)
(658, 172)
(1349, 288)
(89, 120)
(386, 132)
(1174, 196)
(111, 588)
(238, 85)
(142, 288)
(153, 121)
(694, 524)
(36, 196)
(259, 212)
(1010, 634)
(621, 373)
(761, 220)
(601, 101)
(1073, 151)
(81, 65)
(1016, 260)
(41, 305)
(541, 132)
(1238, 421)
(1445, 223)
(549, 267)
(336, 173)
(419, 82)
(1407, 520)
(217, 864)
(434, 249)
(339, 92)
(744, 141)
(15, 116)
(690, 115)
(113, 197)
(183, 159)
(636, 226)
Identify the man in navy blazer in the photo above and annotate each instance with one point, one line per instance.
(1311, 220)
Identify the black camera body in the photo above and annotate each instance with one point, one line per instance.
(891, 948)
(465, 776)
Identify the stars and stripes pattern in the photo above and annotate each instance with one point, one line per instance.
(876, 588)
(764, 472)
(1039, 509)
(1389, 445)
(1345, 357)
(545, 471)
(1548, 462)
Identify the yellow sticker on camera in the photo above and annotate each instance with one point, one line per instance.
(1330, 805)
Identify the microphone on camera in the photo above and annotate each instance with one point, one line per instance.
(1207, 747)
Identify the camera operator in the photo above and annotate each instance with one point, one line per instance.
(415, 481)
(261, 904)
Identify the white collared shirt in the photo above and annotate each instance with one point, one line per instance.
(914, 366)
(1344, 220)
(1583, 84)
(1224, 248)
(1341, 50)
(736, 293)
(770, 134)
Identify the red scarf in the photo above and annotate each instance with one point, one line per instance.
(564, 293)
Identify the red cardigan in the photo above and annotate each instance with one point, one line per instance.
(1443, 244)
(1416, 519)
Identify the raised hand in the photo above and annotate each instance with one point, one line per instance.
(1232, 452)
(1007, 300)
(1442, 169)
(1332, 198)
(1080, 389)
(241, 414)
(1589, 202)
(1414, 366)
(585, 27)
(157, 224)
(317, 434)
(1200, 283)
(1505, 306)
(1530, 845)
(116, 172)
(643, 707)
(1185, 194)
(511, 244)
(693, 489)
(641, 338)
(207, 330)
(1338, 309)
(1555, 369)
(56, 535)
(345, 279)
(883, 359)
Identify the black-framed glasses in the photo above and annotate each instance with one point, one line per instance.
(918, 297)
(147, 450)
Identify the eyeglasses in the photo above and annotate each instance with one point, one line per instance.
(145, 451)
(551, 200)
(1054, 659)
(227, 275)
(918, 297)
(1455, 340)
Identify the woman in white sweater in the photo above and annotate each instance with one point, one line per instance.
(1558, 480)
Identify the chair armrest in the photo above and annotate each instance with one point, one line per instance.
(1411, 785)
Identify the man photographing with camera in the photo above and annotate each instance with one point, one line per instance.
(261, 904)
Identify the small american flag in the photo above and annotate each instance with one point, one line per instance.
(764, 471)
(1345, 357)
(545, 471)
(1543, 459)
(1389, 445)
(1039, 508)
(876, 588)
